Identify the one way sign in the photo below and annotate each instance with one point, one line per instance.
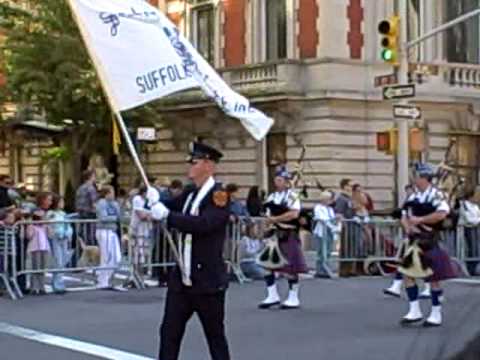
(407, 112)
(398, 92)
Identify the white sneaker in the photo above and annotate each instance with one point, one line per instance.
(435, 318)
(272, 298)
(119, 288)
(395, 289)
(292, 301)
(414, 314)
(425, 294)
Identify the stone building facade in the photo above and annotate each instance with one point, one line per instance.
(311, 64)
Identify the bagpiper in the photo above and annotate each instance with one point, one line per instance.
(422, 217)
(283, 253)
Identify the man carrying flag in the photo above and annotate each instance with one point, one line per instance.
(203, 222)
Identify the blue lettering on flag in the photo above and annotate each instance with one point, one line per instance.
(114, 19)
(161, 77)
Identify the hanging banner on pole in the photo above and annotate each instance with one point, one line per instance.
(142, 57)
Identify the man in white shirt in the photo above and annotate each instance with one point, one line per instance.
(324, 231)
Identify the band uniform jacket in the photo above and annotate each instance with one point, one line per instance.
(208, 230)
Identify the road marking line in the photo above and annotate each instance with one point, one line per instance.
(465, 281)
(70, 344)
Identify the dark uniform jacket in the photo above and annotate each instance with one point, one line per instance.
(209, 230)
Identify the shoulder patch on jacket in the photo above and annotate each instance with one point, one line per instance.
(220, 198)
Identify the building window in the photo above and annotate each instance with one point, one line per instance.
(462, 41)
(414, 26)
(465, 157)
(271, 30)
(276, 155)
(276, 29)
(203, 31)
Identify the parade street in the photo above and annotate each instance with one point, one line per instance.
(340, 319)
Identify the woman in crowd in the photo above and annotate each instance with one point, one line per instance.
(255, 199)
(470, 219)
(108, 214)
(324, 231)
(60, 235)
(364, 236)
(250, 246)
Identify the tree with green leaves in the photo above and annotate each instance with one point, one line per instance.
(49, 73)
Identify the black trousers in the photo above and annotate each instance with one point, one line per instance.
(180, 307)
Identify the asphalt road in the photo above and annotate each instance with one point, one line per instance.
(340, 319)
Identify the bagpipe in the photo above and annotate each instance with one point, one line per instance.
(298, 180)
(271, 256)
(451, 183)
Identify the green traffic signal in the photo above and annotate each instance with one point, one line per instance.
(389, 39)
(387, 55)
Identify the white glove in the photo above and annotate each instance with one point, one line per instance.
(159, 211)
(152, 196)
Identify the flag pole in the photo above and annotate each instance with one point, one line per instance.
(123, 128)
(107, 91)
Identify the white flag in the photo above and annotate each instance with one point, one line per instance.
(141, 56)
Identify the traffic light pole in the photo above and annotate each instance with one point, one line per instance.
(402, 124)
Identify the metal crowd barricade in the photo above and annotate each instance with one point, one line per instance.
(83, 251)
(158, 255)
(464, 247)
(356, 246)
(7, 261)
(235, 232)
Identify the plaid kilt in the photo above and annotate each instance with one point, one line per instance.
(441, 264)
(291, 249)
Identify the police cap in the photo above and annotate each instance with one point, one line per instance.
(198, 150)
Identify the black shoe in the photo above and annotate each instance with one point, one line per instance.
(60, 292)
(268, 305)
(428, 324)
(406, 322)
(391, 293)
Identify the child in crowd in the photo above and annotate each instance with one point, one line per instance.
(60, 235)
(7, 229)
(38, 248)
(140, 230)
(250, 246)
(108, 213)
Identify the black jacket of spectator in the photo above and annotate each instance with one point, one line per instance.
(5, 200)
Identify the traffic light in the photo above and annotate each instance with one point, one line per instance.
(389, 32)
(416, 140)
(387, 141)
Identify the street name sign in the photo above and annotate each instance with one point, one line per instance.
(407, 112)
(398, 91)
(382, 80)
